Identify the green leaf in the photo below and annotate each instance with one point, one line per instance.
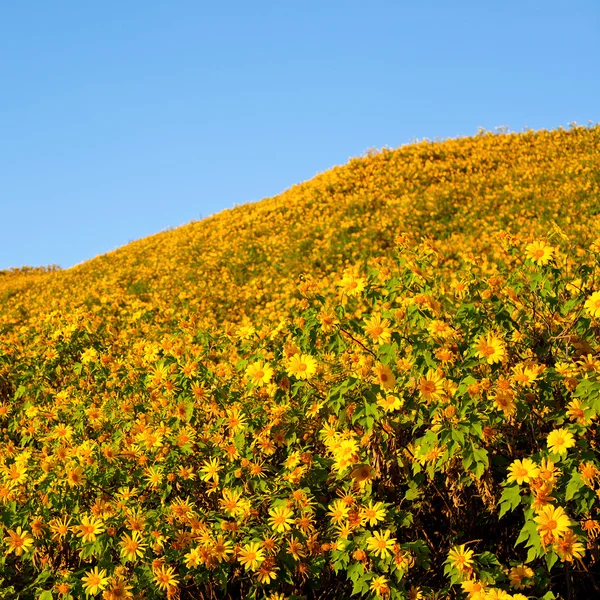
(574, 485)
(47, 595)
(533, 553)
(510, 499)
(551, 559)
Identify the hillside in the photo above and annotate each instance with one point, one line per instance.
(376, 382)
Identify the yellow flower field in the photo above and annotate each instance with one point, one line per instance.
(383, 382)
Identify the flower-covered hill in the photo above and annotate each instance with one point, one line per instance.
(383, 382)
(246, 261)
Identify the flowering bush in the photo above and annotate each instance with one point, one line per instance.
(404, 406)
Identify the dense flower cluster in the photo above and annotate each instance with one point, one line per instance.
(384, 382)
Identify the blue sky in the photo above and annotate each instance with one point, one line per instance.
(121, 119)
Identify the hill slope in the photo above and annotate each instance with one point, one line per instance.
(258, 401)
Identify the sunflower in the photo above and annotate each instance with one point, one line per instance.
(461, 559)
(384, 377)
(431, 386)
(132, 546)
(380, 543)
(539, 252)
(281, 519)
(302, 366)
(560, 440)
(518, 574)
(362, 474)
(569, 547)
(490, 348)
(18, 541)
(592, 305)
(259, 373)
(89, 528)
(372, 513)
(380, 586)
(165, 578)
(552, 522)
(251, 556)
(94, 581)
(378, 329)
(523, 471)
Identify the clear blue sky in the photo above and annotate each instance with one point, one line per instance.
(122, 119)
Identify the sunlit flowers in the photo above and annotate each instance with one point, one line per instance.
(89, 528)
(351, 284)
(592, 305)
(552, 522)
(281, 518)
(251, 556)
(569, 547)
(518, 574)
(94, 581)
(372, 513)
(259, 373)
(490, 348)
(539, 252)
(132, 546)
(379, 585)
(384, 376)
(461, 558)
(431, 385)
(210, 470)
(362, 474)
(18, 541)
(523, 471)
(302, 366)
(165, 578)
(378, 329)
(390, 403)
(380, 543)
(560, 440)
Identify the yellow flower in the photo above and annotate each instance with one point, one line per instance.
(153, 476)
(380, 543)
(222, 548)
(517, 574)
(132, 546)
(59, 528)
(569, 547)
(251, 556)
(431, 386)
(378, 329)
(560, 440)
(592, 305)
(380, 586)
(303, 366)
(552, 522)
(523, 471)
(281, 518)
(461, 558)
(351, 284)
(210, 470)
(539, 252)
(165, 578)
(18, 541)
(384, 376)
(475, 589)
(94, 581)
(372, 513)
(491, 348)
(390, 403)
(89, 528)
(338, 511)
(259, 373)
(362, 473)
